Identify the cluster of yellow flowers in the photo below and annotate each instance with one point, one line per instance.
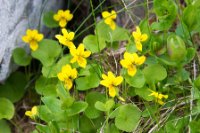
(67, 75)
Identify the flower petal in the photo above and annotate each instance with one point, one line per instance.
(132, 70)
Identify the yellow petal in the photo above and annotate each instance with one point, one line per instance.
(61, 76)
(39, 37)
(74, 73)
(111, 75)
(68, 83)
(71, 36)
(73, 60)
(144, 37)
(70, 45)
(80, 49)
(62, 23)
(34, 46)
(28, 113)
(160, 102)
(132, 70)
(112, 91)
(108, 21)
(118, 80)
(105, 83)
(56, 17)
(34, 110)
(73, 51)
(64, 32)
(124, 63)
(140, 60)
(105, 14)
(26, 39)
(86, 54)
(60, 12)
(82, 62)
(112, 25)
(28, 32)
(138, 46)
(113, 14)
(68, 15)
(104, 76)
(138, 30)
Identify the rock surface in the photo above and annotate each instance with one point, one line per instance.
(16, 16)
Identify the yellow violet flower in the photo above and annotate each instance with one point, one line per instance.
(63, 17)
(111, 82)
(67, 75)
(130, 62)
(158, 97)
(79, 55)
(32, 37)
(66, 39)
(32, 113)
(138, 38)
(109, 18)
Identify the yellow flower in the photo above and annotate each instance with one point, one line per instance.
(130, 62)
(66, 38)
(138, 38)
(32, 37)
(79, 55)
(111, 82)
(67, 75)
(63, 17)
(32, 113)
(109, 18)
(158, 97)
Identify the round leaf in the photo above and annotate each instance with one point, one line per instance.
(127, 118)
(76, 108)
(7, 109)
(14, 87)
(21, 57)
(49, 21)
(154, 73)
(47, 52)
(93, 43)
(4, 127)
(91, 98)
(137, 81)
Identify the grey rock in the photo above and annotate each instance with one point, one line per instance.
(15, 17)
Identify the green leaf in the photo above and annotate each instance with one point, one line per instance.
(94, 44)
(52, 103)
(144, 93)
(49, 21)
(86, 125)
(100, 106)
(191, 17)
(21, 57)
(44, 113)
(105, 32)
(190, 55)
(137, 80)
(154, 73)
(53, 126)
(197, 82)
(91, 98)
(4, 127)
(53, 70)
(64, 96)
(76, 108)
(166, 11)
(46, 86)
(84, 83)
(14, 87)
(194, 126)
(47, 52)
(128, 117)
(7, 109)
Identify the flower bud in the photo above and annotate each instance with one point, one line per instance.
(176, 48)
